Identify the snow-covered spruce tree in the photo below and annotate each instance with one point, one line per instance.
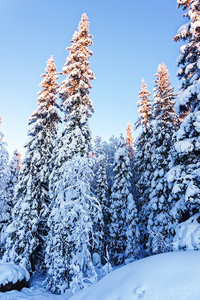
(74, 207)
(120, 198)
(103, 152)
(99, 185)
(28, 228)
(14, 175)
(143, 151)
(144, 109)
(109, 148)
(184, 177)
(95, 152)
(74, 92)
(4, 177)
(13, 180)
(133, 249)
(159, 205)
(135, 175)
(103, 222)
(68, 258)
(129, 139)
(4, 159)
(75, 137)
(9, 195)
(143, 143)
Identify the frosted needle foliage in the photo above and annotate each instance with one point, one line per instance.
(27, 230)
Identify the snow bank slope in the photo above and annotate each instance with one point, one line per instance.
(12, 273)
(169, 276)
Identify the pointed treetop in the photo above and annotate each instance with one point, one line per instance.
(162, 74)
(84, 17)
(145, 109)
(129, 139)
(77, 68)
(162, 77)
(143, 83)
(84, 24)
(161, 66)
(82, 36)
(48, 95)
(51, 67)
(164, 98)
(162, 69)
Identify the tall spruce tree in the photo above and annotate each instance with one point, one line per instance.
(28, 228)
(74, 207)
(95, 153)
(159, 205)
(143, 142)
(120, 198)
(74, 91)
(9, 196)
(133, 249)
(4, 159)
(135, 175)
(143, 151)
(144, 109)
(13, 180)
(103, 222)
(129, 139)
(100, 153)
(68, 256)
(109, 148)
(184, 177)
(4, 178)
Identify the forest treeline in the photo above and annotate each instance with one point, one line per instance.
(72, 209)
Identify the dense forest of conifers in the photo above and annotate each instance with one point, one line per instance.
(72, 209)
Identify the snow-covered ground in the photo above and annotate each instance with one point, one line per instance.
(10, 272)
(169, 276)
(36, 291)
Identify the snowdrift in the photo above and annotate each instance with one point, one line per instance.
(12, 277)
(169, 276)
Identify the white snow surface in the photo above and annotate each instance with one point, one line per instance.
(169, 276)
(188, 234)
(35, 292)
(10, 272)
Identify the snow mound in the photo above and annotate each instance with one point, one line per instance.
(188, 234)
(169, 276)
(35, 292)
(10, 272)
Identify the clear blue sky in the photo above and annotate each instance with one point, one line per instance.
(130, 39)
